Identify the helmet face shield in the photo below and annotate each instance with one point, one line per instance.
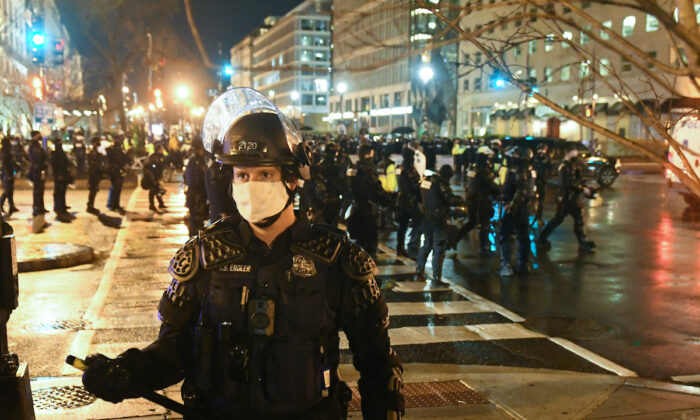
(242, 127)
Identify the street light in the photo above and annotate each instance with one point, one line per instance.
(182, 92)
(425, 73)
(125, 89)
(342, 87)
(271, 93)
(294, 95)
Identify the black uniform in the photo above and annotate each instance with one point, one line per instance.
(569, 201)
(196, 194)
(542, 164)
(482, 190)
(408, 210)
(218, 188)
(97, 167)
(37, 174)
(217, 332)
(368, 193)
(317, 200)
(152, 175)
(9, 167)
(61, 177)
(335, 176)
(518, 193)
(117, 162)
(437, 198)
(80, 154)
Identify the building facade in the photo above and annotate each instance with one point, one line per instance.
(24, 82)
(289, 59)
(552, 66)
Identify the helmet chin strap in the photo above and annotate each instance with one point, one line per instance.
(269, 221)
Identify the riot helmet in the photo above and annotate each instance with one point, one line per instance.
(251, 131)
(446, 172)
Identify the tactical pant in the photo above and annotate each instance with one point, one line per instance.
(362, 226)
(565, 208)
(115, 192)
(541, 193)
(8, 192)
(435, 241)
(153, 193)
(479, 213)
(414, 237)
(94, 186)
(404, 217)
(59, 196)
(38, 197)
(515, 223)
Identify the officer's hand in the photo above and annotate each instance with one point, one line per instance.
(106, 378)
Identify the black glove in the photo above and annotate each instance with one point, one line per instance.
(111, 379)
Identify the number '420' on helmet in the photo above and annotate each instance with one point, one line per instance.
(243, 128)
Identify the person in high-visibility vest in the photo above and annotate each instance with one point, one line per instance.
(458, 157)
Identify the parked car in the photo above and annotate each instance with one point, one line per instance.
(598, 167)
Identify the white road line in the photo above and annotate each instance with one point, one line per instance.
(687, 378)
(417, 286)
(592, 357)
(452, 333)
(438, 308)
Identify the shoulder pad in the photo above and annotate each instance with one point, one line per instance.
(323, 245)
(357, 263)
(216, 248)
(185, 264)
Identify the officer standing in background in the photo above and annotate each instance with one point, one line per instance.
(38, 165)
(368, 193)
(437, 198)
(117, 162)
(482, 190)
(218, 189)
(518, 193)
(332, 169)
(196, 194)
(9, 167)
(569, 201)
(542, 164)
(61, 178)
(79, 152)
(252, 316)
(408, 210)
(152, 175)
(97, 167)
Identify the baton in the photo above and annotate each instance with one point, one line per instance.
(147, 394)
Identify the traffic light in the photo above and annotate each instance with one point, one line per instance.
(38, 86)
(37, 40)
(588, 112)
(226, 73)
(498, 81)
(58, 52)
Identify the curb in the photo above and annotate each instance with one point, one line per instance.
(55, 255)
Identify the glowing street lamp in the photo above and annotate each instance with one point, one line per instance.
(294, 95)
(342, 87)
(425, 73)
(182, 92)
(271, 93)
(125, 89)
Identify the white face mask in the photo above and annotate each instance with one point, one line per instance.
(256, 201)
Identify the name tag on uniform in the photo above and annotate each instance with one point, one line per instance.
(534, 173)
(235, 268)
(425, 185)
(351, 172)
(471, 174)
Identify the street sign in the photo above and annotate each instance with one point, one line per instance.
(44, 113)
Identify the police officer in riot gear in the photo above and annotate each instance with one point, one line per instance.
(218, 188)
(437, 198)
(152, 175)
(38, 164)
(9, 168)
(407, 208)
(79, 152)
(518, 193)
(482, 190)
(569, 201)
(368, 193)
(61, 178)
(333, 172)
(195, 194)
(542, 164)
(117, 162)
(97, 166)
(251, 318)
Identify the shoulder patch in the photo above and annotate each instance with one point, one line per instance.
(323, 245)
(216, 249)
(184, 265)
(357, 263)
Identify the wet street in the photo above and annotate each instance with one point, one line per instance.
(630, 306)
(635, 301)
